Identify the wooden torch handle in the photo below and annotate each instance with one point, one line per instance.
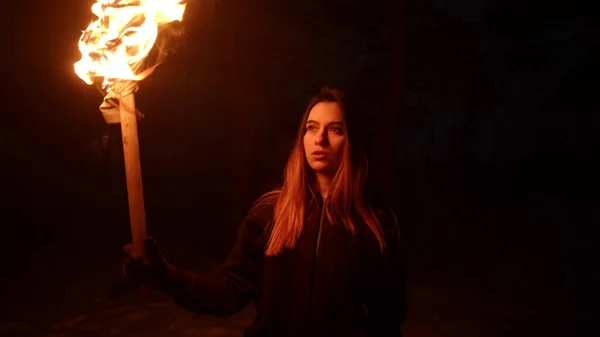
(133, 172)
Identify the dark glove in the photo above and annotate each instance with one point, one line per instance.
(153, 269)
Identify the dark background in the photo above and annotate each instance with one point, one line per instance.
(484, 109)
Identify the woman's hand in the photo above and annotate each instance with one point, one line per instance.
(151, 269)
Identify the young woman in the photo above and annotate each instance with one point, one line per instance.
(317, 257)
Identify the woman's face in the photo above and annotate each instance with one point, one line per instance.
(324, 138)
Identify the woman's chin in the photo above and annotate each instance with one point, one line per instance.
(323, 169)
(319, 167)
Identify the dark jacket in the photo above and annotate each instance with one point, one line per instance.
(332, 283)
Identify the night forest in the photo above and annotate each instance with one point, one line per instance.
(482, 128)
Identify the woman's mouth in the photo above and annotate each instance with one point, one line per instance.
(319, 155)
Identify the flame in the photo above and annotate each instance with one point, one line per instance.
(114, 46)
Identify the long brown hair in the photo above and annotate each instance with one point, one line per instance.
(346, 192)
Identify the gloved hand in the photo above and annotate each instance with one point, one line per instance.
(152, 269)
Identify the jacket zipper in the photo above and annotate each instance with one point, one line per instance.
(314, 264)
(319, 230)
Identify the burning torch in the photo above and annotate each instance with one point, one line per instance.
(114, 50)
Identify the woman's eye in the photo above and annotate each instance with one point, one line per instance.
(336, 129)
(310, 128)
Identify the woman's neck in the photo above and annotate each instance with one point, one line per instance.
(323, 183)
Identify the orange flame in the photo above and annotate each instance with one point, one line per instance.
(114, 46)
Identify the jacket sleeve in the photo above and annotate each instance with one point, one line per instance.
(388, 305)
(238, 282)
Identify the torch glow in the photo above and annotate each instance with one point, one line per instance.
(114, 46)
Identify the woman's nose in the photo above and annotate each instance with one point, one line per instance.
(321, 139)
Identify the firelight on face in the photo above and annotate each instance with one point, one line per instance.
(324, 138)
